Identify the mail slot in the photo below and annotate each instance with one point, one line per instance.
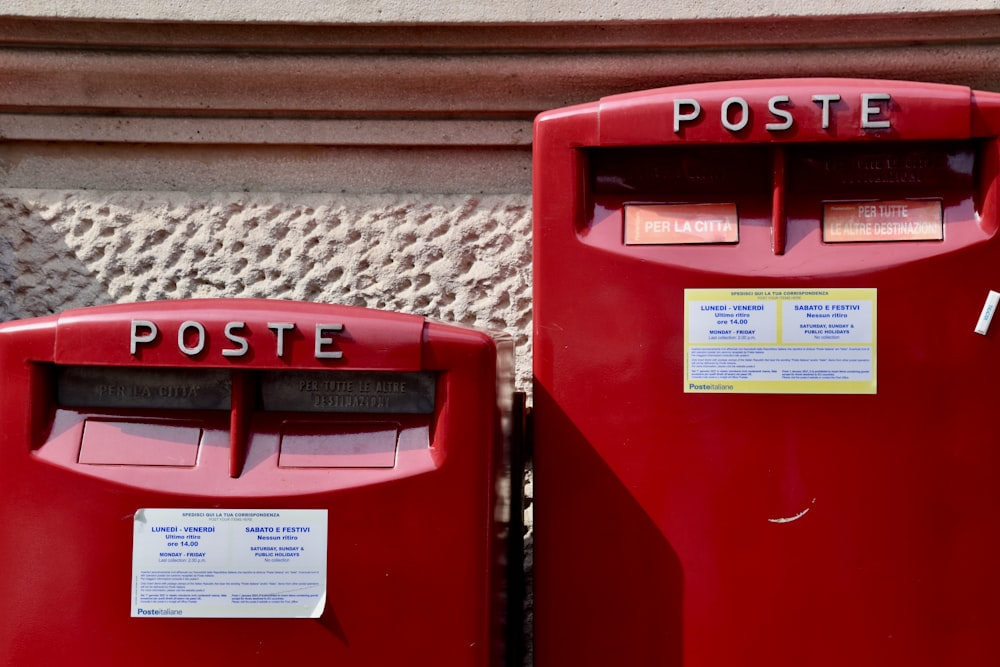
(252, 482)
(762, 398)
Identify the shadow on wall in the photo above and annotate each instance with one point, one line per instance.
(39, 272)
(453, 258)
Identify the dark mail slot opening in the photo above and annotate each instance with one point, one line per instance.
(898, 169)
(348, 391)
(887, 193)
(850, 192)
(670, 195)
(677, 171)
(277, 391)
(153, 416)
(142, 416)
(143, 388)
(733, 175)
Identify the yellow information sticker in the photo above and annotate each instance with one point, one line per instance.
(780, 341)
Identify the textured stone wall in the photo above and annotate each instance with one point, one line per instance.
(457, 259)
(388, 11)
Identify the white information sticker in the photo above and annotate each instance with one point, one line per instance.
(212, 563)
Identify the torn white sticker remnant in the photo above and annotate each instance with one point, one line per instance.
(989, 309)
(790, 519)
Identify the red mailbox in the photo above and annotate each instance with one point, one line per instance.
(762, 400)
(248, 482)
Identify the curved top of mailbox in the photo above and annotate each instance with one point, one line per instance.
(778, 110)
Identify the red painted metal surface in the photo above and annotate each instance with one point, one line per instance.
(779, 530)
(415, 548)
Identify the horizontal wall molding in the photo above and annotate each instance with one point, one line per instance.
(450, 11)
(210, 130)
(260, 168)
(399, 95)
(742, 33)
(453, 72)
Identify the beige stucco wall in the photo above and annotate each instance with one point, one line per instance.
(456, 11)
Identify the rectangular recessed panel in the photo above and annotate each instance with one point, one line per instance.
(351, 445)
(139, 444)
(145, 388)
(348, 391)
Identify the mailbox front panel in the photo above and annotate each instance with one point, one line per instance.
(762, 413)
(173, 472)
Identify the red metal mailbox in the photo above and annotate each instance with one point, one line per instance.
(249, 482)
(762, 400)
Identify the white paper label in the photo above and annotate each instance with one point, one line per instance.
(989, 309)
(211, 563)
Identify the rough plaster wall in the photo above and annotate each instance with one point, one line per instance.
(453, 258)
(388, 11)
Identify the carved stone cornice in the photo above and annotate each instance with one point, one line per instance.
(427, 87)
